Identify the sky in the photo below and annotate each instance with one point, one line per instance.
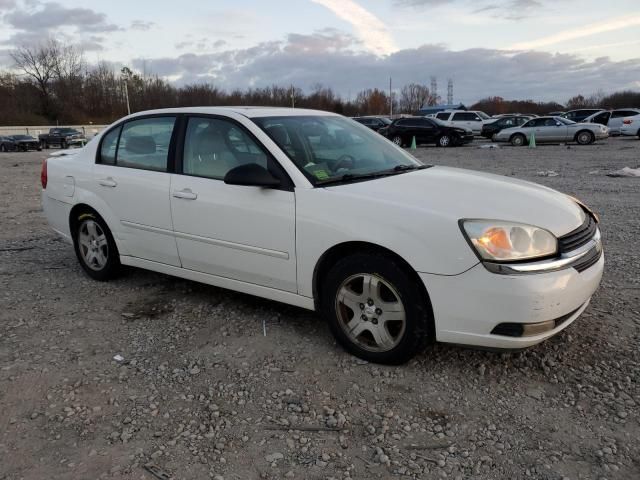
(524, 49)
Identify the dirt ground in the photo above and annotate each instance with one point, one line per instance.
(202, 393)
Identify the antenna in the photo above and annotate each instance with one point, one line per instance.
(450, 92)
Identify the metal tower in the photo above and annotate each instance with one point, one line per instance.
(434, 88)
(450, 92)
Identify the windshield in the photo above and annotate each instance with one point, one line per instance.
(483, 115)
(332, 148)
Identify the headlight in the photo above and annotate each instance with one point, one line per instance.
(508, 241)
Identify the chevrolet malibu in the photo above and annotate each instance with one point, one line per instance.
(315, 210)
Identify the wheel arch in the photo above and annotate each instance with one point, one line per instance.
(584, 130)
(109, 220)
(341, 250)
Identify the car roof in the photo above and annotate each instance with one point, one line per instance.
(250, 112)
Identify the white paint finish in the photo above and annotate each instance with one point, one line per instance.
(490, 299)
(139, 197)
(250, 239)
(217, 281)
(245, 233)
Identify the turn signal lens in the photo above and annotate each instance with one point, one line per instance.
(506, 241)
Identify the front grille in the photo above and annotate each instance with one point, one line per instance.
(578, 237)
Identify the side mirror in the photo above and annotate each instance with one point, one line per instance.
(558, 124)
(251, 175)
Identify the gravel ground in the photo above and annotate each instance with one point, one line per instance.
(202, 393)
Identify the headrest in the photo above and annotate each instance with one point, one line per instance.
(141, 145)
(279, 134)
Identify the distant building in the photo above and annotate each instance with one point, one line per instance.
(426, 109)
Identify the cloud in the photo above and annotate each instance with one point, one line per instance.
(142, 25)
(508, 9)
(330, 58)
(620, 23)
(370, 29)
(55, 15)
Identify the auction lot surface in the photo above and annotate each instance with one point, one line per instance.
(202, 393)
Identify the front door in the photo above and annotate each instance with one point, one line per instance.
(237, 232)
(131, 177)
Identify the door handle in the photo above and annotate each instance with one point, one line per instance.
(185, 194)
(107, 182)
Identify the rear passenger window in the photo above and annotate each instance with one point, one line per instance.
(212, 147)
(109, 146)
(442, 116)
(144, 143)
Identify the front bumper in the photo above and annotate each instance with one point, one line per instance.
(469, 306)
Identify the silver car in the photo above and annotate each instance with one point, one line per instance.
(553, 130)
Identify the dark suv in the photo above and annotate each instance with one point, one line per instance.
(491, 128)
(580, 114)
(374, 123)
(426, 131)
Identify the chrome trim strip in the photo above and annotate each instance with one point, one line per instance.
(566, 260)
(210, 241)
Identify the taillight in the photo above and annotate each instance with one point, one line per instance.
(628, 121)
(43, 174)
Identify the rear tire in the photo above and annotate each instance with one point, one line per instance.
(95, 247)
(585, 137)
(376, 309)
(518, 140)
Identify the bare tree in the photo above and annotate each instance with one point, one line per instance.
(39, 65)
(413, 96)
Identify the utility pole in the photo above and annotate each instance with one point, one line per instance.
(390, 98)
(293, 97)
(126, 73)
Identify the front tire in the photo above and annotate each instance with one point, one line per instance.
(585, 138)
(376, 309)
(445, 141)
(95, 247)
(518, 140)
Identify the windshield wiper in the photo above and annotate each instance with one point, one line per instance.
(348, 177)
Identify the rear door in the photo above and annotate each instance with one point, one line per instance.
(238, 232)
(617, 117)
(468, 120)
(131, 176)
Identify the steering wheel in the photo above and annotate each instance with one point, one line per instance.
(344, 161)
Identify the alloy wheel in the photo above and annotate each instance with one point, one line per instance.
(397, 140)
(370, 312)
(93, 244)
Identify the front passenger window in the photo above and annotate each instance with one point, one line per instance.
(213, 147)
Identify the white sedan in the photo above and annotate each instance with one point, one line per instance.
(315, 210)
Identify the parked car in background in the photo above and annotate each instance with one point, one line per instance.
(7, 144)
(374, 123)
(402, 131)
(314, 210)
(24, 143)
(490, 128)
(631, 126)
(62, 137)
(553, 129)
(462, 119)
(580, 114)
(613, 118)
(556, 114)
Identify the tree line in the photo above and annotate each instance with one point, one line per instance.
(52, 83)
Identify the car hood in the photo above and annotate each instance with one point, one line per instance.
(457, 193)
